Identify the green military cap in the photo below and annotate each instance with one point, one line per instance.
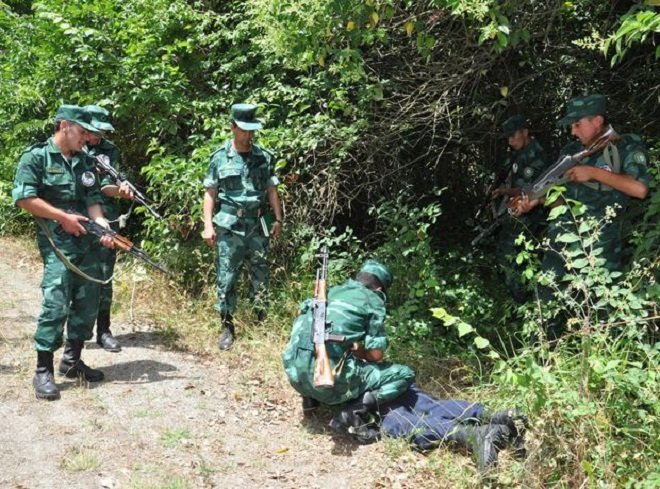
(378, 270)
(513, 124)
(100, 117)
(580, 107)
(74, 113)
(243, 116)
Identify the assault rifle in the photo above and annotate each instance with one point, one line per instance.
(103, 165)
(122, 243)
(324, 377)
(553, 176)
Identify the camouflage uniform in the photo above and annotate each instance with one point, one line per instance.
(630, 154)
(67, 298)
(241, 181)
(597, 198)
(107, 256)
(526, 165)
(358, 313)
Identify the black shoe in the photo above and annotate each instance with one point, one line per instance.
(108, 342)
(517, 423)
(309, 405)
(78, 369)
(44, 384)
(484, 442)
(226, 338)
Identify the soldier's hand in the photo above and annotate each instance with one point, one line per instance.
(208, 235)
(276, 229)
(580, 174)
(498, 192)
(71, 224)
(524, 205)
(125, 191)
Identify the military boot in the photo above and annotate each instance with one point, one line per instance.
(309, 405)
(517, 423)
(227, 336)
(71, 366)
(483, 442)
(43, 380)
(104, 337)
(359, 419)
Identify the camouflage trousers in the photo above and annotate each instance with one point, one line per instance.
(233, 250)
(107, 259)
(67, 298)
(386, 381)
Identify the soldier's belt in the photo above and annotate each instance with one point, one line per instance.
(240, 211)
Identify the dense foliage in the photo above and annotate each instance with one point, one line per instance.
(384, 116)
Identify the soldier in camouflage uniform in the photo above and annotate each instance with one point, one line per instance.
(52, 178)
(527, 161)
(98, 144)
(603, 180)
(356, 310)
(240, 181)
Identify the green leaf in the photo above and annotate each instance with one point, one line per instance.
(557, 211)
(481, 343)
(464, 328)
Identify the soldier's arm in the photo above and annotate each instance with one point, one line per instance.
(41, 208)
(367, 355)
(276, 206)
(618, 181)
(208, 206)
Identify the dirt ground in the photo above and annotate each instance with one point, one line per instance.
(162, 418)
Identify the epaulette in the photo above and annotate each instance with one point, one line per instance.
(42, 144)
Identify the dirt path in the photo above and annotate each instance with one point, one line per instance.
(161, 419)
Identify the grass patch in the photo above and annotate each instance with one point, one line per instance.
(173, 438)
(79, 460)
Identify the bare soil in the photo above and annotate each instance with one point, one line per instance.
(165, 419)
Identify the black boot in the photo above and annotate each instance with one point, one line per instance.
(71, 366)
(227, 336)
(309, 405)
(104, 337)
(359, 419)
(517, 423)
(484, 442)
(43, 380)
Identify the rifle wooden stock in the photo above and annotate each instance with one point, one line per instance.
(323, 376)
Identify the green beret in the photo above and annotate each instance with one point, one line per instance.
(580, 107)
(100, 117)
(244, 117)
(513, 124)
(378, 270)
(74, 113)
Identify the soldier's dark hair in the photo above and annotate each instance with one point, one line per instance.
(56, 125)
(369, 280)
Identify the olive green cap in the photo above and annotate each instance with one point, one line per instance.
(244, 117)
(100, 117)
(580, 107)
(378, 270)
(75, 113)
(513, 124)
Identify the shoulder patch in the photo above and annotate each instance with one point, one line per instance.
(528, 172)
(639, 157)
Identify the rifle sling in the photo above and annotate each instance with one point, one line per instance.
(613, 161)
(67, 263)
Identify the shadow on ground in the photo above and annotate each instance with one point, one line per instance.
(139, 372)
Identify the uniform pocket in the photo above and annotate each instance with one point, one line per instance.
(58, 187)
(230, 179)
(225, 220)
